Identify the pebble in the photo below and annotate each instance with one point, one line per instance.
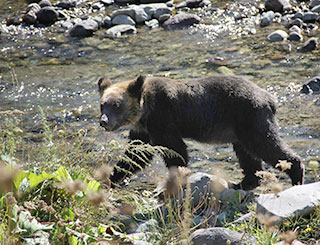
(311, 86)
(295, 29)
(30, 17)
(277, 36)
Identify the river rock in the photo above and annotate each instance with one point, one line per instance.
(310, 17)
(295, 36)
(316, 9)
(219, 236)
(154, 23)
(180, 21)
(47, 15)
(293, 202)
(106, 22)
(266, 18)
(309, 45)
(277, 36)
(123, 20)
(107, 2)
(296, 22)
(311, 86)
(84, 28)
(45, 3)
(314, 3)
(295, 29)
(66, 4)
(277, 5)
(30, 17)
(195, 3)
(119, 30)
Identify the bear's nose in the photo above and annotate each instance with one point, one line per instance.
(104, 120)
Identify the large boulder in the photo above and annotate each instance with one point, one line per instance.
(295, 201)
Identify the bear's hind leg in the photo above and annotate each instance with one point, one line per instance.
(250, 166)
(262, 140)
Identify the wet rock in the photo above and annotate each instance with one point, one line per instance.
(295, 22)
(84, 28)
(159, 11)
(311, 86)
(180, 21)
(293, 202)
(123, 20)
(152, 23)
(47, 15)
(141, 16)
(45, 3)
(277, 36)
(119, 30)
(196, 3)
(266, 18)
(107, 2)
(311, 28)
(106, 22)
(295, 36)
(298, 15)
(66, 4)
(219, 236)
(310, 17)
(314, 3)
(316, 9)
(30, 17)
(277, 5)
(295, 29)
(309, 45)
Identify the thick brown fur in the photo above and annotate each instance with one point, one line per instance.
(216, 109)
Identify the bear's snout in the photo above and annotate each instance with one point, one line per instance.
(104, 121)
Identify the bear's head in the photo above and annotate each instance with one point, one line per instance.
(120, 102)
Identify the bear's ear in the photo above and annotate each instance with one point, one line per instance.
(103, 83)
(135, 87)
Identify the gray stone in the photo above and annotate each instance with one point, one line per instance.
(219, 236)
(156, 10)
(47, 15)
(107, 2)
(193, 3)
(141, 16)
(295, 29)
(123, 20)
(66, 4)
(311, 86)
(314, 3)
(45, 3)
(309, 45)
(152, 23)
(84, 28)
(298, 15)
(97, 6)
(164, 17)
(266, 18)
(277, 36)
(107, 22)
(295, 22)
(119, 30)
(316, 9)
(295, 201)
(295, 36)
(310, 17)
(277, 5)
(149, 225)
(180, 21)
(30, 17)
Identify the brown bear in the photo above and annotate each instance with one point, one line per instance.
(216, 109)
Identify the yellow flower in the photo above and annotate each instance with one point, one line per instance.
(308, 229)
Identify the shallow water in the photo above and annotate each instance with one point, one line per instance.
(59, 73)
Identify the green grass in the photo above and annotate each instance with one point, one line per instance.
(52, 187)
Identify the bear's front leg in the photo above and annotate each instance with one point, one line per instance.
(124, 169)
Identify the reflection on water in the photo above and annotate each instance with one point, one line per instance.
(59, 73)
